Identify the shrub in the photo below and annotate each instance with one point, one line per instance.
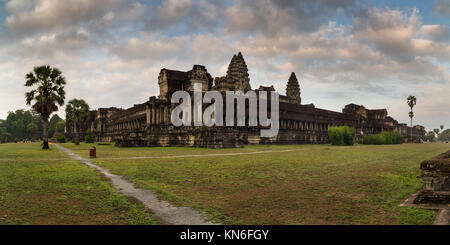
(89, 137)
(397, 138)
(384, 138)
(335, 135)
(342, 135)
(387, 138)
(375, 139)
(61, 138)
(349, 135)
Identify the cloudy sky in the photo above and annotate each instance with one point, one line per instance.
(343, 51)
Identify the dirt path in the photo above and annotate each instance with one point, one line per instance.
(164, 210)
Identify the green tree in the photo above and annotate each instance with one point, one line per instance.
(411, 100)
(436, 131)
(32, 129)
(77, 111)
(48, 93)
(445, 135)
(2, 126)
(16, 123)
(52, 124)
(431, 135)
(89, 136)
(5, 137)
(59, 127)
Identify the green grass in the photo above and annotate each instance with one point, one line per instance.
(109, 151)
(318, 184)
(47, 187)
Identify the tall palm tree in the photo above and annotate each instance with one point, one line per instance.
(77, 111)
(47, 94)
(411, 103)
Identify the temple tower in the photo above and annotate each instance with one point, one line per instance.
(293, 90)
(238, 73)
(237, 77)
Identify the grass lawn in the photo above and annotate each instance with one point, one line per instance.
(315, 184)
(47, 187)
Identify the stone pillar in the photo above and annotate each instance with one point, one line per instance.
(166, 115)
(153, 115)
(159, 115)
(156, 115)
(147, 115)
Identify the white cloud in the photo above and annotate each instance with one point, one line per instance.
(435, 32)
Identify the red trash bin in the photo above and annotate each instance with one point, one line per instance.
(93, 152)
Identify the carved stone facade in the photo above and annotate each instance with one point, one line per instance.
(149, 124)
(435, 174)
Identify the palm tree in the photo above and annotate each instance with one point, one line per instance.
(48, 94)
(411, 103)
(77, 111)
(436, 130)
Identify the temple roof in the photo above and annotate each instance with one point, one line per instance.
(175, 75)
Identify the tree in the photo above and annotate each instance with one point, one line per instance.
(16, 124)
(431, 135)
(31, 130)
(445, 135)
(89, 136)
(436, 131)
(59, 127)
(77, 111)
(47, 94)
(5, 137)
(52, 124)
(411, 100)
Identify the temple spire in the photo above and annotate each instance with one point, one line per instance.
(293, 90)
(238, 73)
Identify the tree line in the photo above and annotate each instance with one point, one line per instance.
(26, 125)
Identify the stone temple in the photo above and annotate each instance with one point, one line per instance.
(149, 124)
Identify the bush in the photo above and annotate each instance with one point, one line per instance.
(387, 138)
(89, 137)
(384, 138)
(342, 135)
(349, 135)
(397, 138)
(61, 138)
(375, 139)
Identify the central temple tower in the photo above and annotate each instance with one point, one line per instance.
(237, 77)
(293, 90)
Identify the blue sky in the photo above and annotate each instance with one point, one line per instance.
(374, 53)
